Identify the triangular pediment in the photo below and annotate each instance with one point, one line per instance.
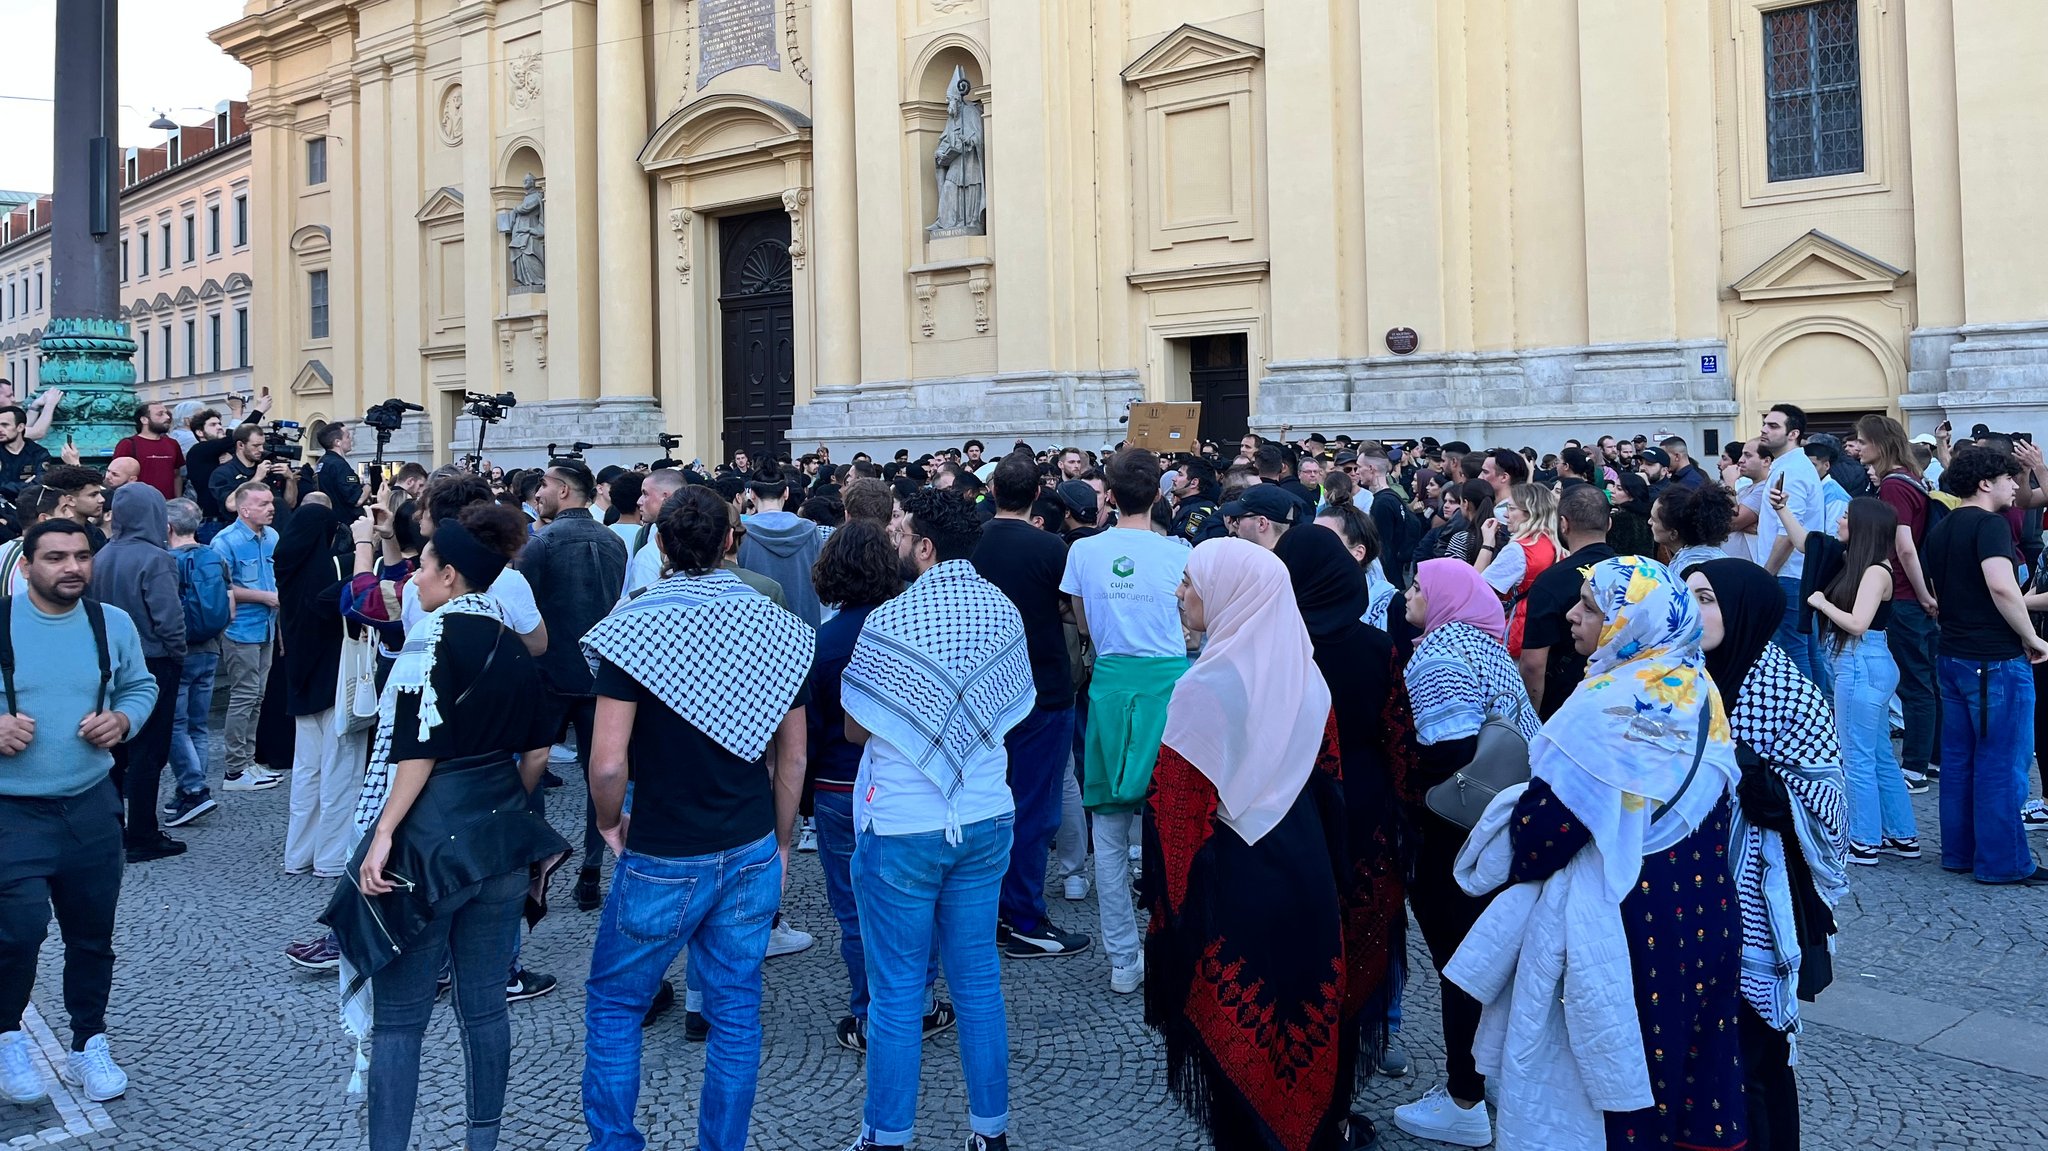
(445, 202)
(1817, 264)
(1188, 51)
(313, 380)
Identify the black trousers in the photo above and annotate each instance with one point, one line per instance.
(139, 762)
(578, 713)
(1446, 914)
(1772, 1090)
(63, 855)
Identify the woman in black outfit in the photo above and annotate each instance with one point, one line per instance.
(449, 839)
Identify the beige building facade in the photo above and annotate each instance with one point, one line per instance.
(187, 245)
(766, 221)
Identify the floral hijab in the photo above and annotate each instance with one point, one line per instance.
(1641, 752)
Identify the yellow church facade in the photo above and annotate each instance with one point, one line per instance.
(883, 223)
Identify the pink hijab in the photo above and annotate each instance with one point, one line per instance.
(1456, 594)
(1251, 712)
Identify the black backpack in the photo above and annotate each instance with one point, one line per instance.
(94, 615)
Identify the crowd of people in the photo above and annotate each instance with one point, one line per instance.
(1610, 725)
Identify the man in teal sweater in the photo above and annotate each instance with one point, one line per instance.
(61, 846)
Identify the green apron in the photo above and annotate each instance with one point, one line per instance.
(1126, 716)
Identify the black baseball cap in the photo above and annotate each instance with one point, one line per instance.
(1656, 456)
(1264, 500)
(1078, 496)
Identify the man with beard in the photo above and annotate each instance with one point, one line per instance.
(62, 849)
(153, 449)
(245, 464)
(22, 460)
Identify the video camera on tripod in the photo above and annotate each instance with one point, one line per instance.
(488, 410)
(575, 451)
(386, 418)
(284, 440)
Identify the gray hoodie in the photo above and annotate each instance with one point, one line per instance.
(783, 546)
(137, 573)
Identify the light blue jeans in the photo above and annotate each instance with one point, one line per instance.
(720, 907)
(911, 887)
(1796, 643)
(190, 734)
(1865, 678)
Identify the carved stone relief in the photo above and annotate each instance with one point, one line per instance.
(977, 286)
(927, 323)
(794, 201)
(451, 116)
(679, 221)
(524, 73)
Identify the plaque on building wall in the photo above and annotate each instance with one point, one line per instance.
(735, 34)
(1402, 341)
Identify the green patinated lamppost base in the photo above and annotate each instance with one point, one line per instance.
(94, 362)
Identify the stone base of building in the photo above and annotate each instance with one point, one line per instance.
(1994, 374)
(1043, 409)
(623, 430)
(1538, 397)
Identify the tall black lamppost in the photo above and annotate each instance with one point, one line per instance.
(86, 349)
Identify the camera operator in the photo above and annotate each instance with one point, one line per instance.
(248, 462)
(212, 446)
(338, 478)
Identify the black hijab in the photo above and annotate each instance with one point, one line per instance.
(1329, 586)
(309, 579)
(1752, 605)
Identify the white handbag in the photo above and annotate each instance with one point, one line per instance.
(355, 689)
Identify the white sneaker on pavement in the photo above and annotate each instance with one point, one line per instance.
(249, 781)
(20, 1082)
(1437, 1116)
(94, 1071)
(262, 772)
(1124, 980)
(2034, 816)
(786, 940)
(1075, 888)
(807, 836)
(561, 753)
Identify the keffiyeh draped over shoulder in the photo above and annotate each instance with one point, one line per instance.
(669, 635)
(941, 673)
(1641, 752)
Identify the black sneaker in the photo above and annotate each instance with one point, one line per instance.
(988, 1143)
(1908, 848)
(664, 998)
(1858, 853)
(188, 807)
(1359, 1133)
(528, 985)
(589, 896)
(936, 1022)
(1046, 940)
(696, 1028)
(1003, 932)
(865, 1144)
(1916, 783)
(851, 1034)
(162, 847)
(550, 779)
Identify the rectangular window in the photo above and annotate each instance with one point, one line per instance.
(191, 347)
(39, 291)
(142, 234)
(316, 160)
(1813, 90)
(213, 229)
(213, 342)
(165, 332)
(124, 261)
(241, 337)
(142, 345)
(241, 221)
(191, 239)
(163, 263)
(316, 300)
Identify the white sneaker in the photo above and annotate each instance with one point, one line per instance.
(94, 1071)
(2035, 815)
(807, 836)
(1075, 888)
(1437, 1116)
(561, 753)
(263, 772)
(1124, 980)
(1136, 852)
(786, 940)
(249, 781)
(20, 1082)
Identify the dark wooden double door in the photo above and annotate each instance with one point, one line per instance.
(1220, 379)
(758, 317)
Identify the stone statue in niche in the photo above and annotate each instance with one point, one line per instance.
(958, 161)
(525, 231)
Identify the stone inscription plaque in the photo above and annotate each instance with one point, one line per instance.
(735, 34)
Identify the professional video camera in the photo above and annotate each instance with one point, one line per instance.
(669, 443)
(388, 417)
(489, 409)
(284, 440)
(575, 451)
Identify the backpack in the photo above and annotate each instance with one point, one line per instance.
(203, 589)
(95, 615)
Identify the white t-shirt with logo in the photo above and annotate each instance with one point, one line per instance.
(1126, 580)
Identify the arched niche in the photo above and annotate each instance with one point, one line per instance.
(924, 114)
(520, 158)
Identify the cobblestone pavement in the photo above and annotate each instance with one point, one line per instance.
(229, 1047)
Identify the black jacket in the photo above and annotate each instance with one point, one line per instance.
(339, 480)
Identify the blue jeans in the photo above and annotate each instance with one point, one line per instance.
(1915, 640)
(473, 938)
(1038, 748)
(911, 887)
(720, 907)
(832, 811)
(189, 732)
(1986, 741)
(1865, 678)
(1797, 644)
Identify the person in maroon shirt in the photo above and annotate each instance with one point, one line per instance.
(154, 450)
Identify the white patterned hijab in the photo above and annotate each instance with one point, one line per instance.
(942, 674)
(682, 638)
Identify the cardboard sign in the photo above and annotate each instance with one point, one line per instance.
(1166, 427)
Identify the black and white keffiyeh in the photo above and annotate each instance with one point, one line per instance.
(1788, 723)
(942, 674)
(673, 636)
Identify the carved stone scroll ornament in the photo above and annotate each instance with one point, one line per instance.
(977, 286)
(928, 322)
(679, 222)
(794, 201)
